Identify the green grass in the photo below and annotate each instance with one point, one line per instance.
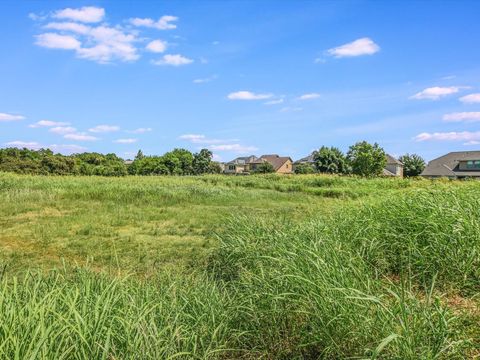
(272, 267)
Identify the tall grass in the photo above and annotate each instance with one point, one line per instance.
(371, 279)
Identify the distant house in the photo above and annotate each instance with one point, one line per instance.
(454, 165)
(248, 164)
(393, 166)
(240, 165)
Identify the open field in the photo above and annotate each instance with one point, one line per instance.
(250, 267)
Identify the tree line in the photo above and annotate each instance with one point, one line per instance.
(45, 162)
(362, 159)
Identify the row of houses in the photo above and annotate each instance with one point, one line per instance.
(454, 165)
(285, 165)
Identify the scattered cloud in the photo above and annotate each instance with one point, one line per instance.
(320, 60)
(274, 102)
(67, 148)
(436, 92)
(125, 141)
(157, 46)
(202, 139)
(449, 136)
(10, 117)
(140, 130)
(291, 109)
(80, 137)
(309, 96)
(173, 60)
(87, 14)
(104, 128)
(33, 145)
(62, 130)
(47, 123)
(164, 23)
(363, 46)
(238, 148)
(471, 98)
(24, 144)
(205, 80)
(247, 95)
(471, 143)
(57, 41)
(69, 26)
(462, 117)
(216, 157)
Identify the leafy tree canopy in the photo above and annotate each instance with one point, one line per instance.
(413, 164)
(367, 159)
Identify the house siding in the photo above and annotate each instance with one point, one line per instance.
(286, 168)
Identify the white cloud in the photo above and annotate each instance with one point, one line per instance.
(33, 145)
(69, 26)
(238, 148)
(471, 143)
(156, 46)
(47, 123)
(125, 141)
(363, 46)
(10, 117)
(449, 136)
(104, 128)
(56, 41)
(62, 130)
(173, 60)
(436, 92)
(87, 14)
(216, 157)
(164, 23)
(67, 148)
(140, 130)
(274, 102)
(205, 80)
(291, 109)
(470, 99)
(309, 96)
(111, 44)
(24, 144)
(202, 139)
(247, 95)
(80, 137)
(462, 116)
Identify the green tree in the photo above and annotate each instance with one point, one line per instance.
(413, 164)
(331, 160)
(366, 159)
(304, 168)
(215, 168)
(264, 168)
(201, 161)
(139, 155)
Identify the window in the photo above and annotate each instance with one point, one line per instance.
(473, 164)
(231, 167)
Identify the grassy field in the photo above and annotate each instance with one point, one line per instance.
(299, 267)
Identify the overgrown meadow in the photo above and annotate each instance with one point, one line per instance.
(219, 267)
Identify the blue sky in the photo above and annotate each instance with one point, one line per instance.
(240, 77)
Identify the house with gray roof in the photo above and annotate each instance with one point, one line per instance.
(454, 165)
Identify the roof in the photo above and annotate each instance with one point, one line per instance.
(447, 165)
(392, 160)
(243, 160)
(387, 173)
(307, 159)
(274, 159)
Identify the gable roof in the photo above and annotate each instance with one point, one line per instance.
(243, 160)
(274, 159)
(447, 165)
(392, 160)
(306, 159)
